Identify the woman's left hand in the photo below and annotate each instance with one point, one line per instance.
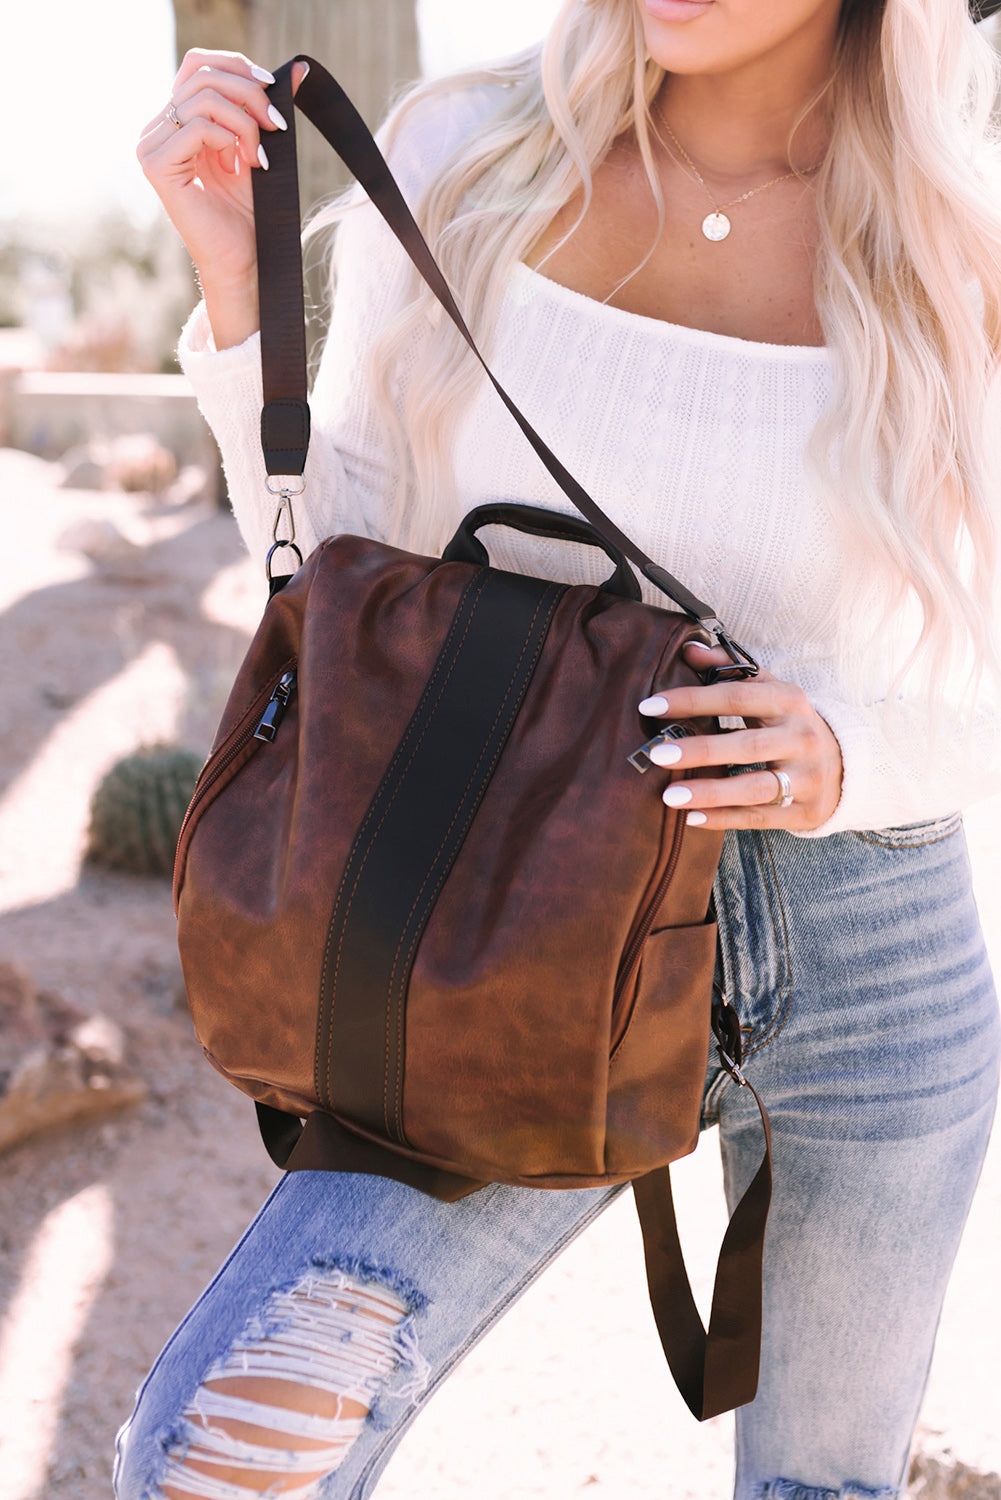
(783, 730)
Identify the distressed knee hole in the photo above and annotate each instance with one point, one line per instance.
(791, 1489)
(284, 1405)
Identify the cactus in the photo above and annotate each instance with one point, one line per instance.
(137, 809)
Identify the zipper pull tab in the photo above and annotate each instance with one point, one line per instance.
(275, 711)
(640, 759)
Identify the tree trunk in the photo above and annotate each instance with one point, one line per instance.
(371, 47)
(220, 25)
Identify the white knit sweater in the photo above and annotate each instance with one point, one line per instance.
(692, 441)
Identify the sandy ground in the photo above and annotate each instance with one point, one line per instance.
(108, 1231)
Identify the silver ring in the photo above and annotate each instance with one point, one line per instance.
(784, 798)
(173, 117)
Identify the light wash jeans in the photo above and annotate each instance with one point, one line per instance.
(858, 968)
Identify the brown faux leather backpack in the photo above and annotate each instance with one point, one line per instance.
(425, 902)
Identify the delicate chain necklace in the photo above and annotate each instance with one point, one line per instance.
(716, 226)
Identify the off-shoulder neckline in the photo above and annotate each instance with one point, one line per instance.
(679, 332)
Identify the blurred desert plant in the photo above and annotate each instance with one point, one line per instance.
(138, 807)
(107, 294)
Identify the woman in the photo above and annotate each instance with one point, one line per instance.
(742, 266)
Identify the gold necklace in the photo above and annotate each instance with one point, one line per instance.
(716, 226)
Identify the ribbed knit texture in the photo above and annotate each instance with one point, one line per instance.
(693, 442)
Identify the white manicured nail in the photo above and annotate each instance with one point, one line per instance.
(654, 706)
(696, 818)
(277, 118)
(261, 74)
(677, 796)
(262, 157)
(699, 645)
(665, 755)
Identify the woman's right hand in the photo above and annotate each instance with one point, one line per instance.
(201, 169)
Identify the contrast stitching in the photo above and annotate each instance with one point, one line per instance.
(401, 1009)
(285, 407)
(326, 1012)
(386, 811)
(472, 776)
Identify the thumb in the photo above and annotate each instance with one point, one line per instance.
(701, 657)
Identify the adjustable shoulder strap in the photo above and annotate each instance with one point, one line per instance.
(285, 419)
(718, 1371)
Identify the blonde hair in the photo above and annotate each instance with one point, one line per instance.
(908, 290)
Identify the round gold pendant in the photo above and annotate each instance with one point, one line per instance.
(716, 226)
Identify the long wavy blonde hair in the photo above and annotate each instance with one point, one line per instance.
(908, 290)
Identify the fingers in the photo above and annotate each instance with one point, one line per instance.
(740, 747)
(234, 63)
(228, 90)
(244, 125)
(762, 697)
(752, 789)
(211, 105)
(782, 729)
(228, 62)
(700, 656)
(187, 145)
(751, 799)
(241, 93)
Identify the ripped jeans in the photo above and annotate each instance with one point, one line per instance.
(871, 1030)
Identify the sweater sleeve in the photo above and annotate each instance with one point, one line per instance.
(350, 472)
(904, 762)
(901, 766)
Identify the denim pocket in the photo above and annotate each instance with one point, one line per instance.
(913, 835)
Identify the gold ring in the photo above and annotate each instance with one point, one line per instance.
(173, 117)
(784, 797)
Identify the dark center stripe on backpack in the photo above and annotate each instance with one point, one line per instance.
(410, 837)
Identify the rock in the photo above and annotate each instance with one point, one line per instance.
(192, 485)
(137, 462)
(937, 1474)
(82, 470)
(161, 983)
(57, 1063)
(103, 544)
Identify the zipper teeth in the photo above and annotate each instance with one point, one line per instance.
(210, 781)
(246, 733)
(641, 936)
